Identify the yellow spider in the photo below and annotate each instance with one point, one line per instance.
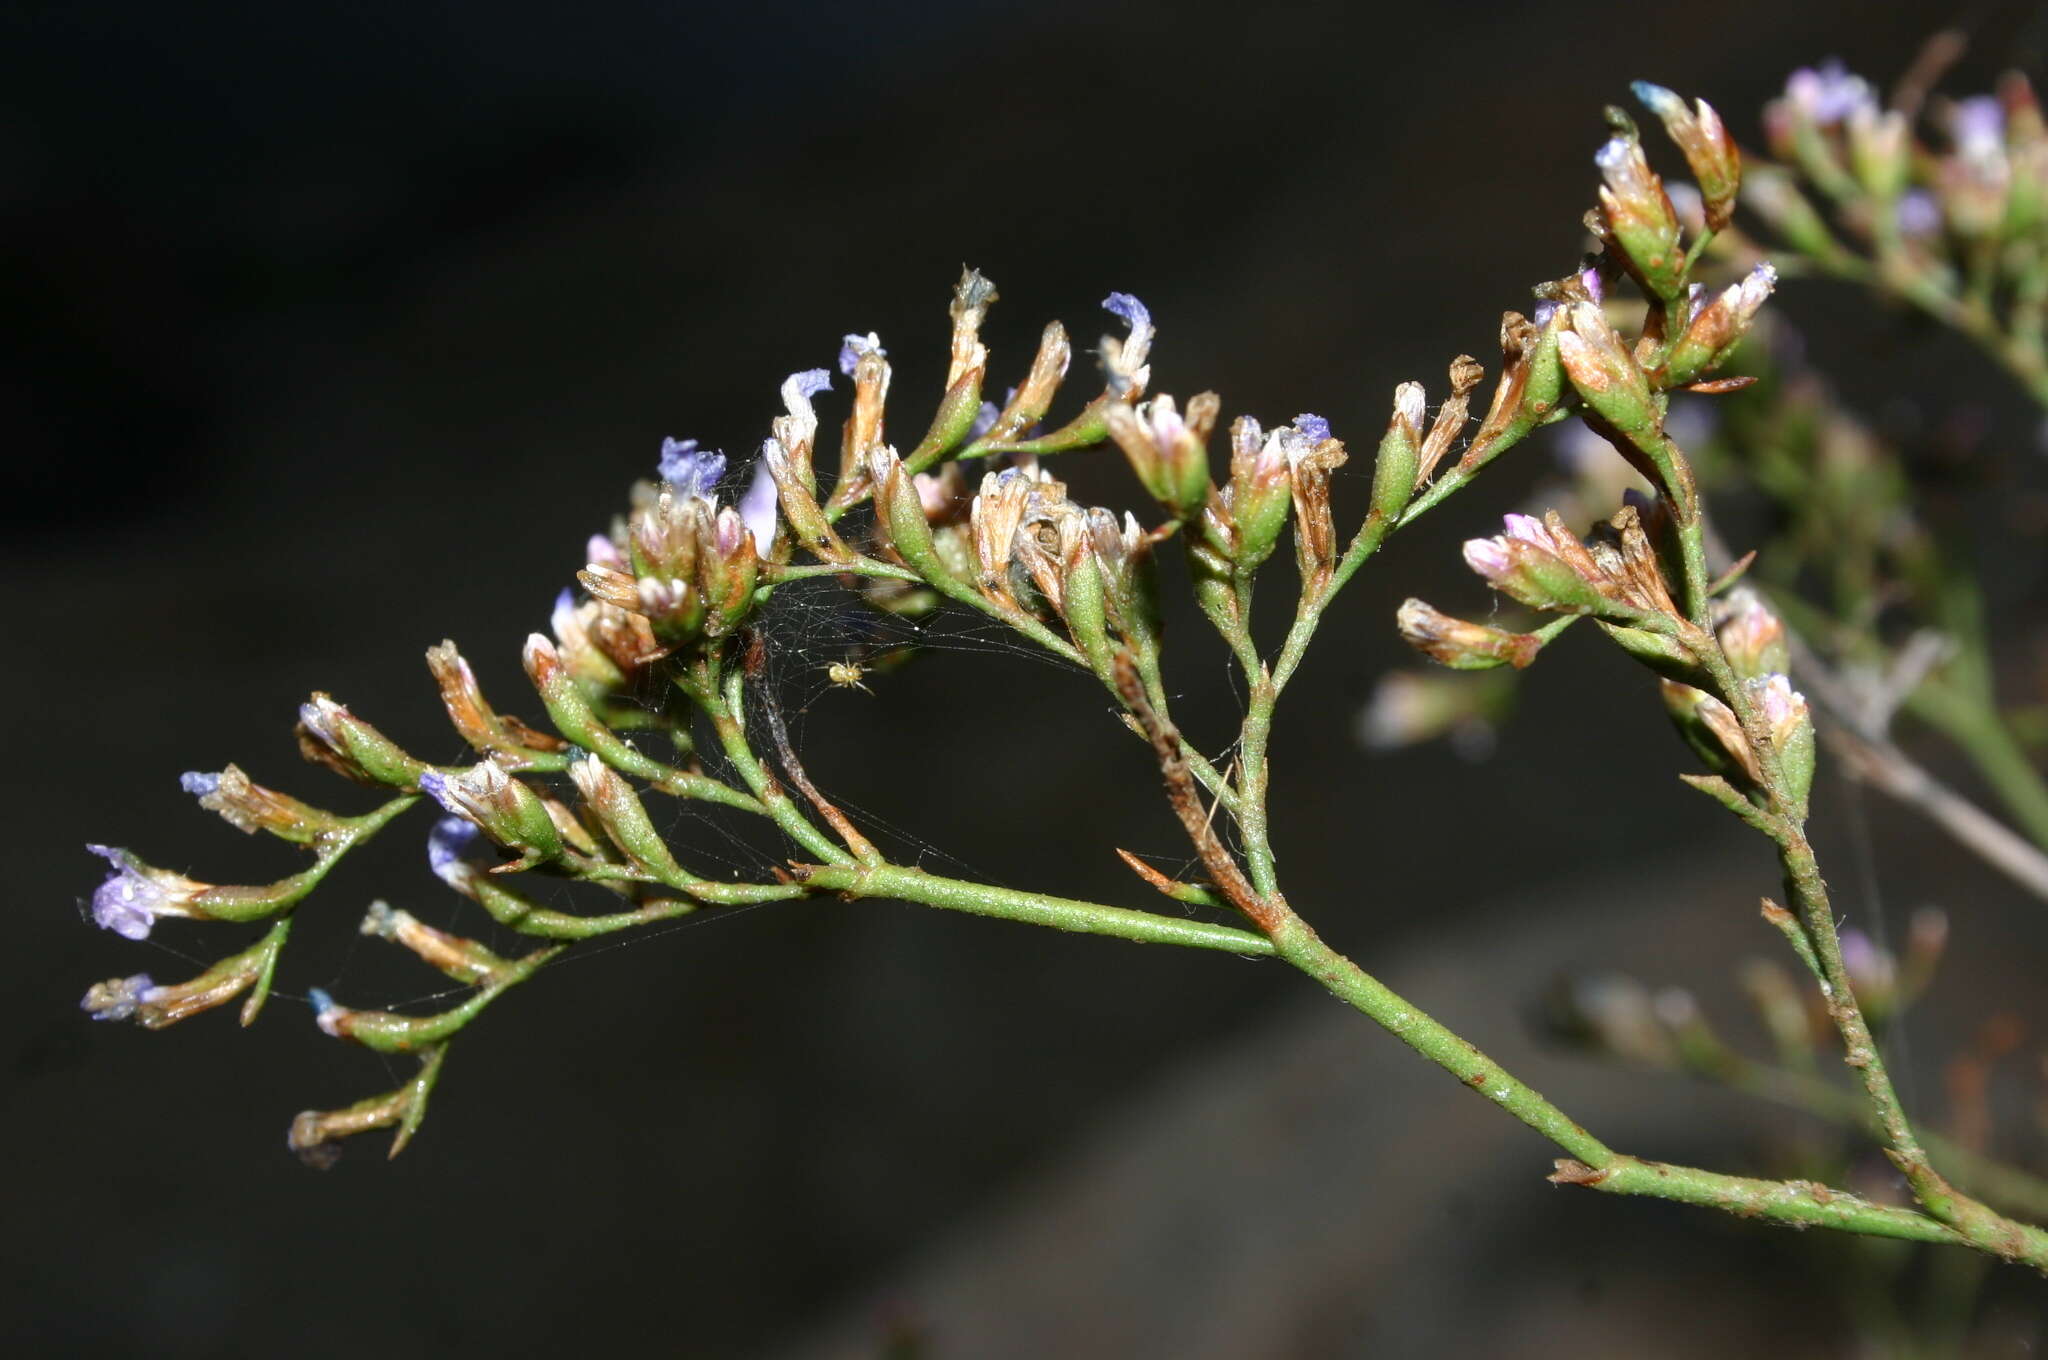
(847, 675)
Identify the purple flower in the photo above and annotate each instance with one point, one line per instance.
(120, 998)
(135, 895)
(199, 783)
(1829, 95)
(1919, 214)
(1313, 426)
(455, 848)
(1545, 310)
(810, 382)
(1978, 125)
(1590, 278)
(984, 420)
(855, 346)
(434, 784)
(758, 508)
(693, 473)
(1133, 312)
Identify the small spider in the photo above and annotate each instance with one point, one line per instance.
(847, 675)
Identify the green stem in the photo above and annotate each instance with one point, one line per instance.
(1060, 913)
(1593, 1164)
(1994, 1180)
(725, 706)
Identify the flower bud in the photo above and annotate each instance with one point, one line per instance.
(1524, 564)
(1259, 496)
(1711, 729)
(509, 812)
(1880, 152)
(1169, 454)
(619, 810)
(330, 735)
(1784, 709)
(902, 516)
(1718, 327)
(1084, 595)
(1460, 644)
(1396, 464)
(1751, 636)
(1639, 217)
(1603, 370)
(1130, 591)
(1716, 164)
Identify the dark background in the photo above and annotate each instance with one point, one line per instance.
(332, 331)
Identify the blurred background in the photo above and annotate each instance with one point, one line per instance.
(333, 330)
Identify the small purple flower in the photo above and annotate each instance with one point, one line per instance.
(434, 784)
(135, 895)
(1314, 427)
(1488, 556)
(1545, 310)
(1919, 214)
(455, 848)
(693, 473)
(1978, 126)
(199, 783)
(758, 507)
(984, 421)
(855, 346)
(1829, 95)
(1133, 313)
(120, 998)
(810, 382)
(1589, 278)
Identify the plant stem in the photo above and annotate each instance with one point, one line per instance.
(1592, 1163)
(725, 706)
(1060, 913)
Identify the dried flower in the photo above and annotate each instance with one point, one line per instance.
(1708, 149)
(1461, 644)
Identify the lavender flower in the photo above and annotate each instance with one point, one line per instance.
(119, 998)
(1978, 126)
(758, 508)
(199, 783)
(855, 346)
(455, 850)
(1125, 359)
(135, 895)
(1919, 214)
(692, 473)
(1829, 95)
(1313, 427)
(808, 383)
